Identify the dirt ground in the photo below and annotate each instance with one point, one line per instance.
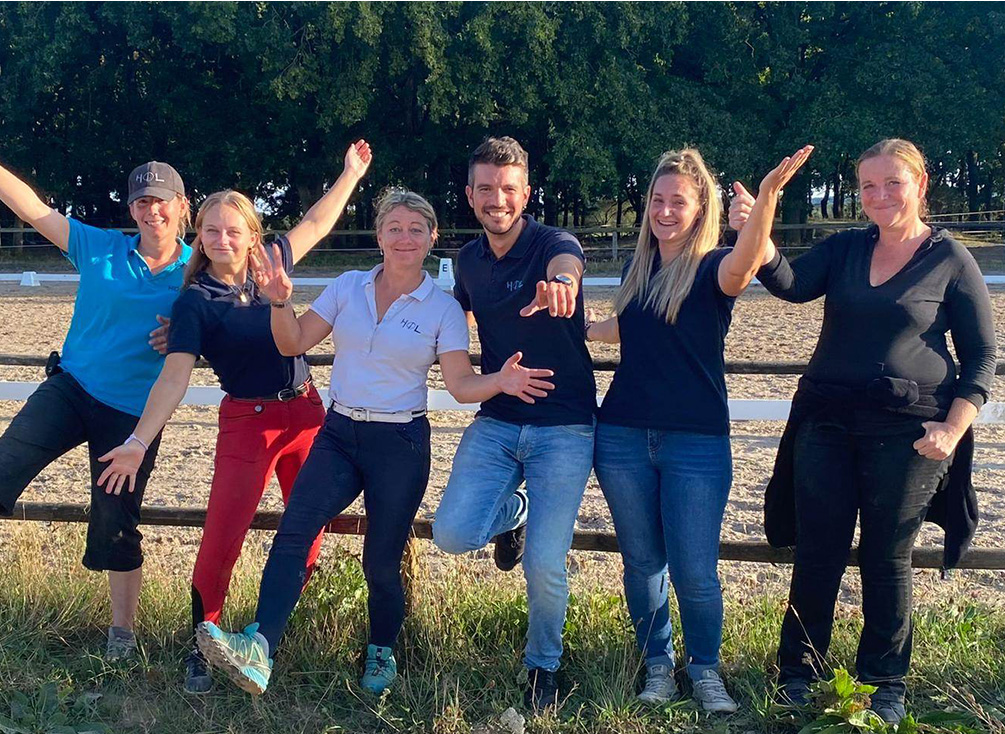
(34, 321)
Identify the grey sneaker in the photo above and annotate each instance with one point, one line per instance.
(660, 685)
(121, 644)
(710, 692)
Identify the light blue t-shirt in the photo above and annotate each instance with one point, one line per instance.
(118, 300)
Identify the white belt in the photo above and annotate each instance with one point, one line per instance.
(365, 415)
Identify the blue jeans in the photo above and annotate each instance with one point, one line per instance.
(479, 503)
(667, 491)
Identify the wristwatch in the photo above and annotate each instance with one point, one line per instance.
(563, 279)
(280, 304)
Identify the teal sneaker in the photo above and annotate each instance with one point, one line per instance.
(238, 654)
(380, 669)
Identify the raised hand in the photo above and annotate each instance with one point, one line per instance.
(523, 382)
(782, 173)
(773, 183)
(269, 274)
(125, 462)
(558, 298)
(159, 336)
(357, 158)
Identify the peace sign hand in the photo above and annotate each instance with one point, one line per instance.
(270, 275)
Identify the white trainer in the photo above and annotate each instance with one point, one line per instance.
(660, 685)
(710, 692)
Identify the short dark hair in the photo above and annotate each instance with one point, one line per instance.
(504, 151)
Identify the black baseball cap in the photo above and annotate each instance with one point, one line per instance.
(154, 179)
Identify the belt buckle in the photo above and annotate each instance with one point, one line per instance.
(359, 414)
(286, 395)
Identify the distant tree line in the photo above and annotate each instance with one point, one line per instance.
(265, 97)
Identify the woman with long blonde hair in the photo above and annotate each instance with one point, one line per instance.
(662, 454)
(271, 412)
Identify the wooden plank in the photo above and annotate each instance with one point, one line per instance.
(600, 365)
(746, 551)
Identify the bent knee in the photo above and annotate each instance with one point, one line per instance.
(453, 539)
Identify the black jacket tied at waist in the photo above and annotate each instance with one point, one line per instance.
(954, 506)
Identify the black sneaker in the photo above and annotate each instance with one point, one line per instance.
(794, 692)
(542, 689)
(197, 677)
(509, 548)
(888, 701)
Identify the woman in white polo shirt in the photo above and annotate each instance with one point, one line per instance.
(389, 326)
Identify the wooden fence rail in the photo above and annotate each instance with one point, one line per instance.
(599, 365)
(195, 517)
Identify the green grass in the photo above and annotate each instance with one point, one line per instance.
(460, 654)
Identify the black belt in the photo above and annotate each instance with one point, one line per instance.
(283, 396)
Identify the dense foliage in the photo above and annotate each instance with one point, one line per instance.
(264, 97)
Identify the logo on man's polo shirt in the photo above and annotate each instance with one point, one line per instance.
(514, 285)
(410, 325)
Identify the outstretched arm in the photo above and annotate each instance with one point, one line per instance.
(26, 204)
(320, 218)
(558, 298)
(164, 398)
(738, 268)
(466, 386)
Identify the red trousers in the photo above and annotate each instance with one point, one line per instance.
(256, 439)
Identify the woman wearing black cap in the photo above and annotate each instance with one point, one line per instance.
(96, 393)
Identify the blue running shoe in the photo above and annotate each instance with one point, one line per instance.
(380, 669)
(238, 654)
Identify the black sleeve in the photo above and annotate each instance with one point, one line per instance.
(972, 326)
(460, 292)
(185, 334)
(562, 243)
(806, 278)
(287, 252)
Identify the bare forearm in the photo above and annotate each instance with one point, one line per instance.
(474, 388)
(320, 218)
(165, 396)
(747, 257)
(962, 414)
(605, 331)
(20, 198)
(286, 331)
(27, 205)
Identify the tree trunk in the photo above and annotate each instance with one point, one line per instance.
(550, 205)
(973, 172)
(823, 201)
(837, 207)
(617, 216)
(794, 208)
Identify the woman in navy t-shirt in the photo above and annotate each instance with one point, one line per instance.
(271, 412)
(662, 453)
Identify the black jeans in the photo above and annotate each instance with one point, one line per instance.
(856, 463)
(61, 415)
(389, 464)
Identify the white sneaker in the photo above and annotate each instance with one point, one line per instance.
(660, 685)
(710, 692)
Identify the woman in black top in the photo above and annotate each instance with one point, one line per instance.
(876, 418)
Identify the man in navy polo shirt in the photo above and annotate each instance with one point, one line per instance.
(519, 281)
